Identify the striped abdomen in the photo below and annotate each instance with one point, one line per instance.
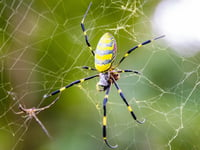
(105, 52)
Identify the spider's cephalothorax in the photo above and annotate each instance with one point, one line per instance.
(105, 79)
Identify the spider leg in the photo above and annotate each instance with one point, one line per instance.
(37, 110)
(127, 70)
(84, 31)
(125, 101)
(23, 109)
(105, 119)
(89, 68)
(18, 113)
(69, 85)
(42, 126)
(138, 46)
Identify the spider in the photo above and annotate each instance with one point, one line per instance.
(104, 56)
(32, 113)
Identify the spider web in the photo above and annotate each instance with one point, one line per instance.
(42, 48)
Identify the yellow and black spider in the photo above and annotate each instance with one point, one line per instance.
(104, 55)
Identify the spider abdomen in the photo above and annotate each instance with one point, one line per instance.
(105, 52)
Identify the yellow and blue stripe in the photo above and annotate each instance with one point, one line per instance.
(105, 52)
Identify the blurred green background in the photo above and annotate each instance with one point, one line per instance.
(43, 49)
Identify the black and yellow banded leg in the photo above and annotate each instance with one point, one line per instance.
(69, 85)
(125, 101)
(127, 70)
(84, 31)
(138, 46)
(105, 119)
(89, 68)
